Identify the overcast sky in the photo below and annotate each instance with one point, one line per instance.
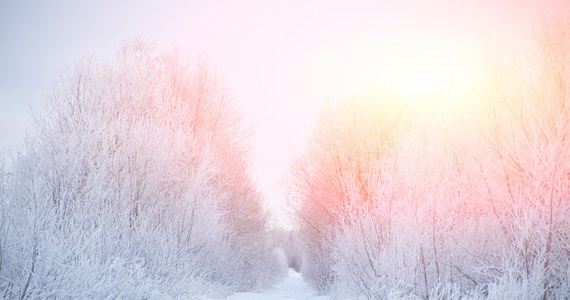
(282, 60)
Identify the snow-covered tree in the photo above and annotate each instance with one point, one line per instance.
(335, 171)
(471, 203)
(134, 184)
(527, 167)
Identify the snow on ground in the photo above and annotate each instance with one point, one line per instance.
(292, 288)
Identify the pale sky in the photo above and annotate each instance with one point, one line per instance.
(282, 60)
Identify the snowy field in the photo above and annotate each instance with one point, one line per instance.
(292, 287)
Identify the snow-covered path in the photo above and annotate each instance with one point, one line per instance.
(292, 287)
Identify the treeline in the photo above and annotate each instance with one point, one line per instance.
(444, 202)
(133, 183)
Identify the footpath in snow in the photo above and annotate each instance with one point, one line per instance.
(292, 287)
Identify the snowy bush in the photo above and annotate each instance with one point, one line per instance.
(134, 183)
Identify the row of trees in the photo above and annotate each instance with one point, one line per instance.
(133, 184)
(473, 202)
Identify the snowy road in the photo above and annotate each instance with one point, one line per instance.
(292, 287)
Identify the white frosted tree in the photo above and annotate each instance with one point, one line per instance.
(335, 171)
(470, 203)
(527, 167)
(135, 184)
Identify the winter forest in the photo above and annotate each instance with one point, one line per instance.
(135, 181)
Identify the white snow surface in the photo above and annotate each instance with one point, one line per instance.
(293, 287)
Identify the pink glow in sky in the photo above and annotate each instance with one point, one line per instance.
(282, 60)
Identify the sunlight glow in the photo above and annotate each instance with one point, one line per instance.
(428, 75)
(420, 75)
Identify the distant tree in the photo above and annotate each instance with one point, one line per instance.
(288, 241)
